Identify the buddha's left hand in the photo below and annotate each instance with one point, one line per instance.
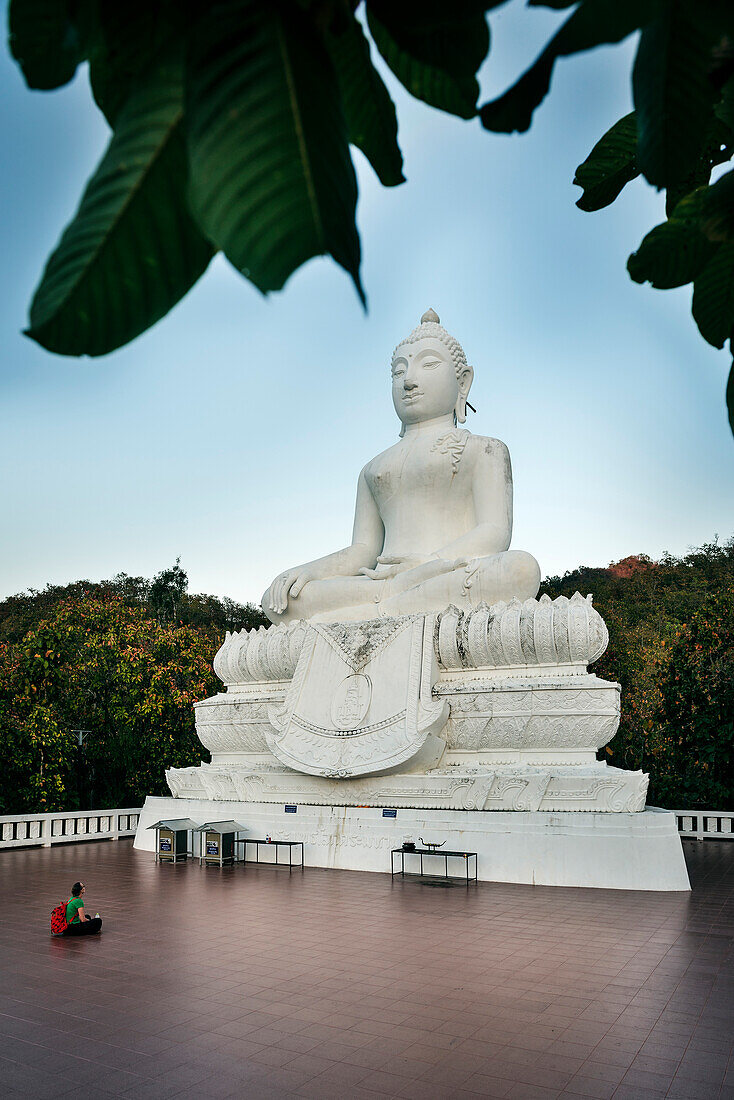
(426, 571)
(389, 566)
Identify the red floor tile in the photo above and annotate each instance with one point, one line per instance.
(213, 983)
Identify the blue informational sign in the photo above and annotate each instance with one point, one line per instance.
(389, 813)
(165, 845)
(291, 809)
(212, 848)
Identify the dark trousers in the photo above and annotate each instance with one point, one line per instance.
(88, 927)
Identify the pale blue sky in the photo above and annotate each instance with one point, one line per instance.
(232, 433)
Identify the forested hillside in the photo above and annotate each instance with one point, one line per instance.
(124, 660)
(165, 598)
(671, 647)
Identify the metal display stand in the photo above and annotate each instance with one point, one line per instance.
(172, 839)
(441, 854)
(218, 842)
(289, 844)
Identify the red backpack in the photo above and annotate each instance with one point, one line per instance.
(58, 920)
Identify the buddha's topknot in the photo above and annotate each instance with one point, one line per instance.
(431, 326)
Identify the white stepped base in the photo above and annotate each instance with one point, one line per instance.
(592, 787)
(619, 851)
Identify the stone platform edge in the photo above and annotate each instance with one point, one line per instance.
(622, 851)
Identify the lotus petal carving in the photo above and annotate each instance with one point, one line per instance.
(534, 632)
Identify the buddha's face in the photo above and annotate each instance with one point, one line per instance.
(424, 382)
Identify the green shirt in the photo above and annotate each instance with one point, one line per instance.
(73, 906)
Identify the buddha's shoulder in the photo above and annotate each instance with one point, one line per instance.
(384, 457)
(487, 445)
(459, 443)
(481, 448)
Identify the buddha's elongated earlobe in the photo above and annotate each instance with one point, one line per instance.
(465, 380)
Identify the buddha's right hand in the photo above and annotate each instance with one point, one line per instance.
(286, 585)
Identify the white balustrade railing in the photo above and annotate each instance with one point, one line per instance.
(24, 830)
(705, 824)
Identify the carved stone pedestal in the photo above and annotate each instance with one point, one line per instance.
(482, 726)
(490, 710)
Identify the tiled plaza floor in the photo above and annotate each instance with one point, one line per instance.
(254, 983)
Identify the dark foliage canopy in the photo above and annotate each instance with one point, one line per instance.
(232, 122)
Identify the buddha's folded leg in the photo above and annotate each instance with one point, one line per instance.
(333, 600)
(483, 580)
(513, 573)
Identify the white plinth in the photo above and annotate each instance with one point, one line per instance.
(620, 851)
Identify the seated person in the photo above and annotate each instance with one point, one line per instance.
(433, 517)
(78, 922)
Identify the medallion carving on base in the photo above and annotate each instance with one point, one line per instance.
(351, 701)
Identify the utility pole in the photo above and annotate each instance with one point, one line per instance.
(81, 768)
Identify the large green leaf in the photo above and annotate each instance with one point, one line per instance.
(724, 109)
(123, 40)
(372, 123)
(672, 92)
(674, 253)
(45, 41)
(717, 220)
(593, 23)
(717, 147)
(272, 181)
(610, 165)
(434, 49)
(132, 249)
(713, 297)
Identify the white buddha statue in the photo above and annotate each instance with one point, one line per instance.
(433, 517)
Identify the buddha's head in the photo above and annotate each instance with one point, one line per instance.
(430, 374)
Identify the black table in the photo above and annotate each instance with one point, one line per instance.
(443, 853)
(289, 844)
